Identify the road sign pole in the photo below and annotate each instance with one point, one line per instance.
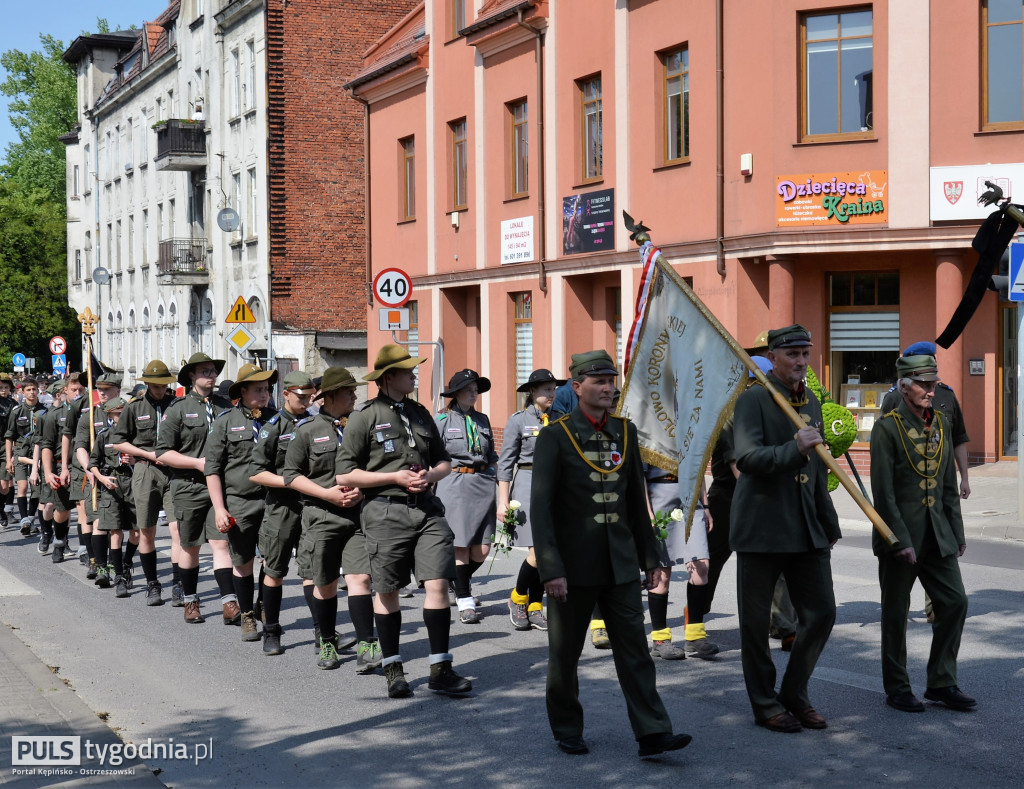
(1020, 410)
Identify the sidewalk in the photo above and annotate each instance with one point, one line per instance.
(990, 512)
(35, 701)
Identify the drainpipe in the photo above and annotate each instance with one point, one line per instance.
(366, 190)
(719, 139)
(541, 212)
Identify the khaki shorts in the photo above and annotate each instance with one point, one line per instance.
(279, 536)
(75, 490)
(60, 498)
(151, 487)
(115, 512)
(329, 541)
(401, 539)
(243, 537)
(193, 510)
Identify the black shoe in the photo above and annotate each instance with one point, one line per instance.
(120, 587)
(398, 688)
(328, 654)
(153, 596)
(58, 552)
(444, 680)
(952, 697)
(653, 744)
(177, 596)
(272, 640)
(26, 527)
(576, 746)
(93, 570)
(905, 702)
(44, 544)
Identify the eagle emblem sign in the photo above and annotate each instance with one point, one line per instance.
(953, 190)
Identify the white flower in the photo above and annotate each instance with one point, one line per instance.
(676, 514)
(515, 505)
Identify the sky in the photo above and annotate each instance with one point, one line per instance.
(24, 20)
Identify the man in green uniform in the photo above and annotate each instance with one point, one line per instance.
(782, 522)
(54, 487)
(913, 483)
(282, 518)
(136, 435)
(186, 425)
(331, 533)
(22, 427)
(107, 387)
(237, 500)
(7, 405)
(591, 532)
(112, 472)
(393, 453)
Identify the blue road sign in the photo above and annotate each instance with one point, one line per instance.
(1016, 286)
(19, 360)
(60, 362)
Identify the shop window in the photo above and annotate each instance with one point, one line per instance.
(836, 75)
(1002, 64)
(523, 337)
(864, 342)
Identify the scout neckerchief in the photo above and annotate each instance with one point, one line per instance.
(255, 415)
(579, 450)
(339, 427)
(400, 408)
(472, 433)
(209, 414)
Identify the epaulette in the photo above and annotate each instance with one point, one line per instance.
(944, 385)
(562, 418)
(367, 404)
(517, 413)
(274, 419)
(888, 414)
(303, 421)
(892, 388)
(442, 416)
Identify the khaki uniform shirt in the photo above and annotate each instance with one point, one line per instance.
(229, 447)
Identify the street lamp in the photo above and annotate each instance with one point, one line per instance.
(101, 277)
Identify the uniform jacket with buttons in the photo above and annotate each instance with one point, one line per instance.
(140, 421)
(185, 429)
(229, 448)
(269, 452)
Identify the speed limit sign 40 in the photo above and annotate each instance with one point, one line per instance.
(392, 287)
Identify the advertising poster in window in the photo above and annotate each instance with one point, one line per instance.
(588, 222)
(834, 199)
(517, 240)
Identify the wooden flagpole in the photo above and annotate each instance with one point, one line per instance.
(89, 319)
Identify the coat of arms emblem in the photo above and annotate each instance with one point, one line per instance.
(953, 190)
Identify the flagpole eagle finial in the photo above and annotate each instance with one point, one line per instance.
(637, 230)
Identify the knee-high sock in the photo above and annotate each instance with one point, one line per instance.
(224, 583)
(657, 606)
(129, 551)
(439, 625)
(360, 609)
(307, 592)
(696, 610)
(189, 580)
(244, 589)
(327, 616)
(389, 627)
(463, 572)
(100, 546)
(117, 560)
(148, 562)
(272, 603)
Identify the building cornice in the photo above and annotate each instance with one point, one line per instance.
(130, 89)
(393, 85)
(233, 14)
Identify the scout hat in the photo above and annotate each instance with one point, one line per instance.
(795, 336)
(392, 356)
(56, 386)
(538, 377)
(918, 368)
(224, 387)
(249, 374)
(337, 378)
(299, 382)
(194, 361)
(592, 363)
(6, 378)
(107, 379)
(464, 378)
(156, 372)
(923, 348)
(760, 344)
(113, 404)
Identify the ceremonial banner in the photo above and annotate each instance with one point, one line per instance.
(682, 378)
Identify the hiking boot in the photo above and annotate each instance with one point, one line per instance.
(537, 620)
(272, 640)
(517, 614)
(398, 688)
(177, 596)
(368, 657)
(121, 587)
(102, 577)
(702, 648)
(232, 613)
(44, 544)
(444, 680)
(153, 596)
(328, 654)
(599, 638)
(93, 570)
(58, 552)
(250, 632)
(666, 650)
(192, 614)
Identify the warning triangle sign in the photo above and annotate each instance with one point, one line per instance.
(240, 313)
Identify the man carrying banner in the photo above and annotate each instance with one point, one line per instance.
(783, 522)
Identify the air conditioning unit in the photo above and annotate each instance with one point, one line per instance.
(128, 167)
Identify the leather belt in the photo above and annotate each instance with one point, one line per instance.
(410, 500)
(525, 465)
(464, 470)
(666, 478)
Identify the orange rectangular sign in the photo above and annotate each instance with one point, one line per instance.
(834, 199)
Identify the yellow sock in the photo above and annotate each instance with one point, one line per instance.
(535, 607)
(662, 635)
(520, 599)
(696, 632)
(597, 624)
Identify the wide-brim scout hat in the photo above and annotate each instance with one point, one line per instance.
(795, 336)
(335, 378)
(391, 357)
(299, 382)
(113, 404)
(464, 378)
(917, 368)
(156, 372)
(760, 344)
(250, 374)
(194, 361)
(592, 363)
(538, 377)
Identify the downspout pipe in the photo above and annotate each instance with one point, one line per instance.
(720, 138)
(541, 207)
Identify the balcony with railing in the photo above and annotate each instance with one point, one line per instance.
(183, 261)
(180, 145)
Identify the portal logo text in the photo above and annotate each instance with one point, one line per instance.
(46, 751)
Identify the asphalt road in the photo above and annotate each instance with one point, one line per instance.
(275, 721)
